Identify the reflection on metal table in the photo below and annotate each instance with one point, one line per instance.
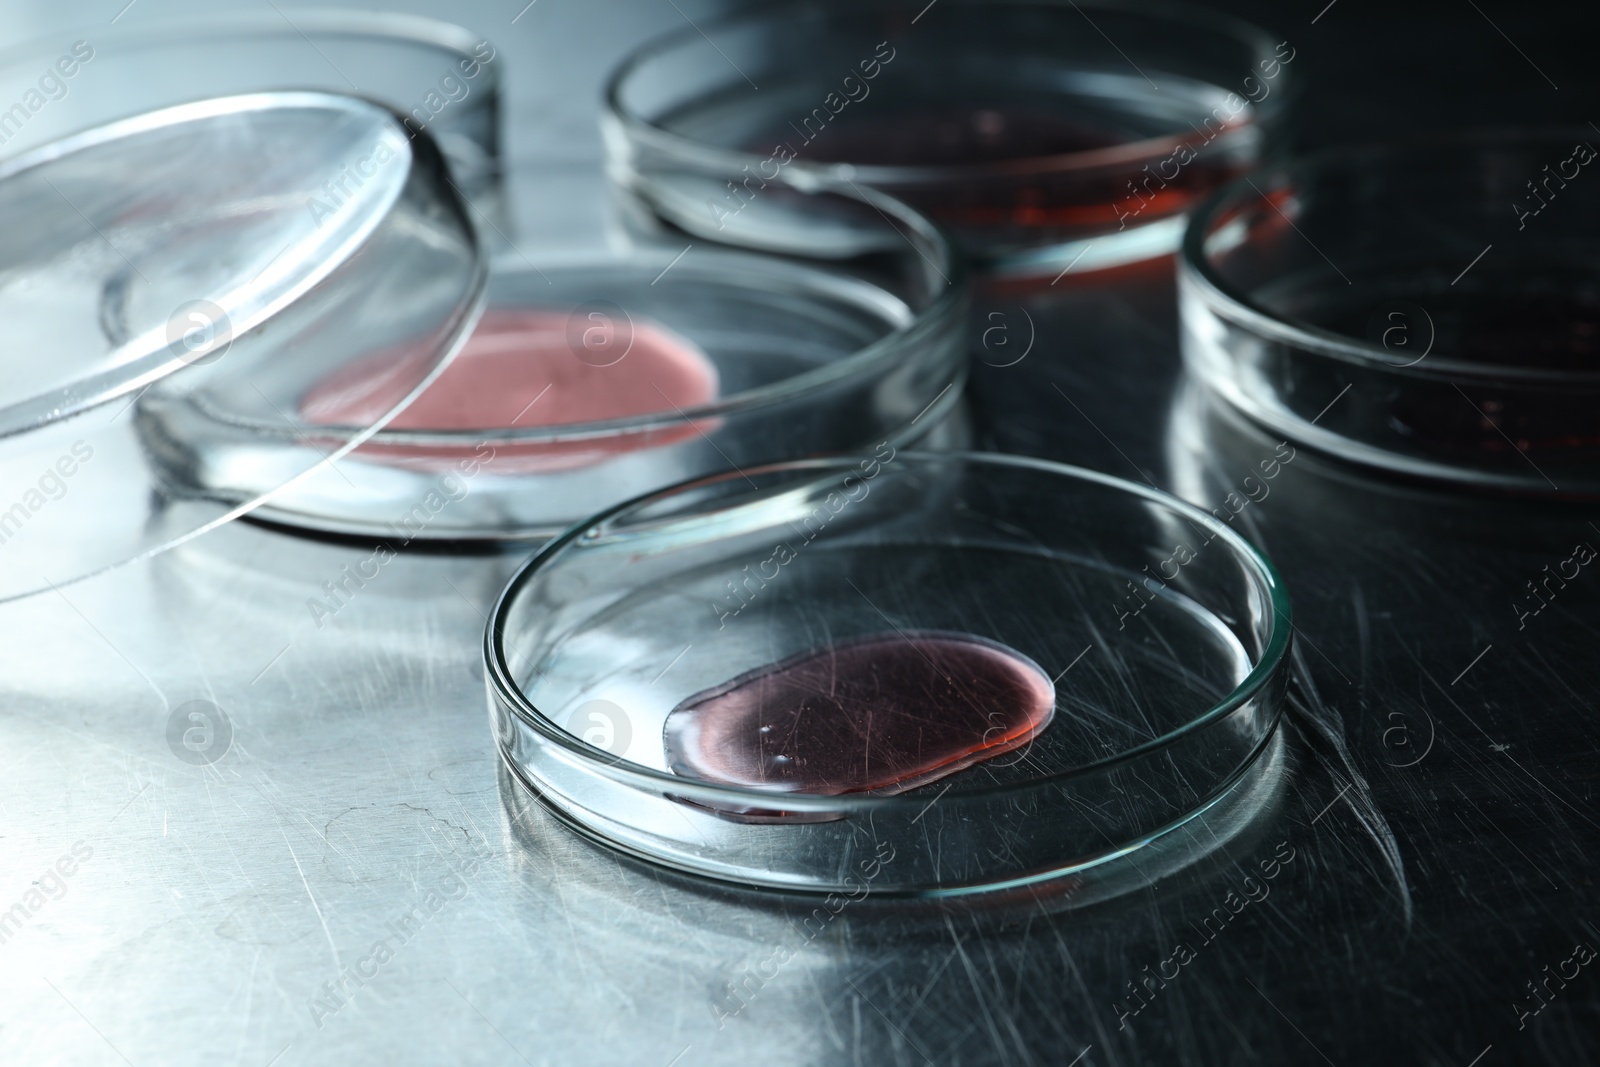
(343, 873)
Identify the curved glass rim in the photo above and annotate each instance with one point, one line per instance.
(1194, 266)
(467, 313)
(945, 308)
(350, 22)
(1089, 159)
(582, 754)
(95, 389)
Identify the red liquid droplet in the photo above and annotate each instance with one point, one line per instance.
(884, 713)
(518, 370)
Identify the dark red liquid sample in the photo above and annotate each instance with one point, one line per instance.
(953, 136)
(1071, 177)
(1532, 319)
(1535, 320)
(883, 713)
(519, 370)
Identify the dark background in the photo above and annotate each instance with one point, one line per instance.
(1457, 863)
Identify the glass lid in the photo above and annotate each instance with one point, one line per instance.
(174, 285)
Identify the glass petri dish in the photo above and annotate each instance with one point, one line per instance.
(1120, 655)
(1039, 134)
(170, 283)
(1430, 309)
(440, 77)
(601, 375)
(1229, 833)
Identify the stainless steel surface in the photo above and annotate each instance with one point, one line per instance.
(1437, 789)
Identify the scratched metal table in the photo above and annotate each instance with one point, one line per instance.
(355, 881)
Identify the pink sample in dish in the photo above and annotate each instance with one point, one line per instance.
(520, 370)
(883, 713)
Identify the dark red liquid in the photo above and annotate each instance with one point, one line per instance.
(953, 136)
(1544, 330)
(1549, 322)
(883, 713)
(1108, 187)
(1529, 319)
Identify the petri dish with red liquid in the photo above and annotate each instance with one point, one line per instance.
(995, 670)
(603, 375)
(1042, 135)
(1429, 309)
(167, 294)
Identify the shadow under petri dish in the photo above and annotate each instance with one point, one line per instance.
(521, 369)
(884, 713)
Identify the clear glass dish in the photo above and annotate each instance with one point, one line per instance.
(601, 375)
(1161, 634)
(439, 77)
(1231, 831)
(1040, 134)
(1432, 309)
(167, 294)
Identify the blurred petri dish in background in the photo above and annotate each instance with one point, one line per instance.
(1041, 135)
(172, 283)
(788, 676)
(599, 375)
(1431, 309)
(440, 78)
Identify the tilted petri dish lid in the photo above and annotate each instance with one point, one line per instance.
(172, 284)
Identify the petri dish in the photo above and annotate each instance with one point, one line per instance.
(1230, 831)
(1429, 309)
(1041, 135)
(937, 672)
(599, 375)
(172, 282)
(443, 79)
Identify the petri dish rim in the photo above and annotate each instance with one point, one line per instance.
(582, 754)
(1086, 160)
(941, 314)
(978, 888)
(94, 390)
(1224, 299)
(343, 22)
